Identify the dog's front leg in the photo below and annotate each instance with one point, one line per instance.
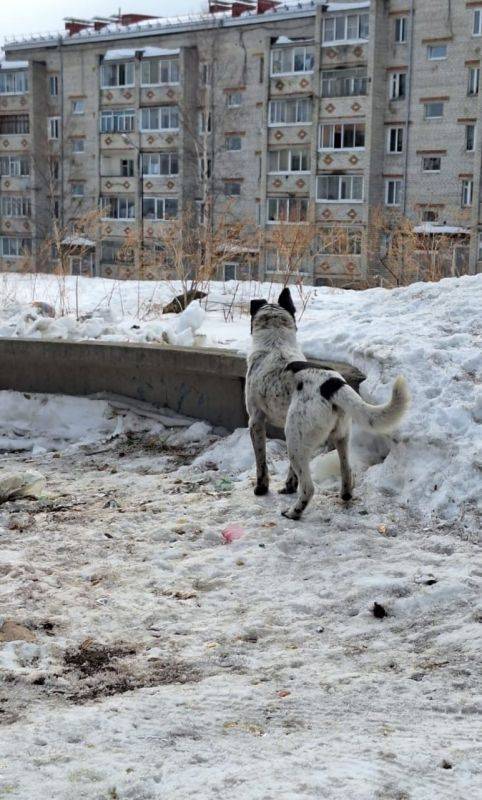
(257, 429)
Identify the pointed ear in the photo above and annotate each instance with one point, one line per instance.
(256, 305)
(286, 302)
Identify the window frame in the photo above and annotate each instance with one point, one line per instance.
(473, 81)
(160, 110)
(116, 114)
(327, 20)
(354, 234)
(20, 76)
(76, 140)
(433, 159)
(76, 103)
(308, 57)
(107, 200)
(20, 206)
(117, 65)
(302, 216)
(433, 103)
(401, 26)
(397, 183)
(230, 94)
(477, 22)
(299, 102)
(171, 155)
(292, 152)
(160, 61)
(160, 202)
(472, 126)
(53, 129)
(339, 77)
(351, 199)
(344, 126)
(399, 131)
(25, 243)
(467, 191)
(228, 138)
(397, 82)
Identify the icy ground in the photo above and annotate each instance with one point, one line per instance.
(153, 661)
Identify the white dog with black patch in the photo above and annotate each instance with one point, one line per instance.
(314, 405)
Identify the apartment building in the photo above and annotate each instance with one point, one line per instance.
(324, 114)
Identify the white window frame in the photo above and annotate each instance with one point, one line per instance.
(399, 131)
(331, 127)
(393, 192)
(24, 244)
(292, 153)
(433, 103)
(231, 264)
(128, 66)
(473, 126)
(231, 183)
(13, 82)
(151, 111)
(121, 120)
(173, 69)
(130, 202)
(172, 158)
(76, 141)
(53, 85)
(15, 207)
(238, 95)
(477, 26)
(345, 25)
(340, 78)
(427, 158)
(351, 235)
(467, 192)
(433, 48)
(394, 86)
(289, 202)
(53, 128)
(479, 254)
(473, 82)
(77, 190)
(231, 138)
(401, 28)
(348, 179)
(308, 58)
(299, 103)
(14, 166)
(160, 208)
(76, 104)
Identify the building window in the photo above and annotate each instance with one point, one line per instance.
(296, 159)
(160, 208)
(14, 166)
(113, 75)
(15, 247)
(477, 27)
(287, 209)
(120, 121)
(159, 71)
(54, 169)
(204, 121)
(162, 118)
(480, 247)
(436, 52)
(116, 252)
(233, 142)
(12, 206)
(345, 28)
(78, 145)
(393, 192)
(470, 138)
(234, 99)
(467, 192)
(230, 272)
(395, 140)
(77, 191)
(56, 208)
(339, 189)
(431, 163)
(291, 60)
(53, 85)
(15, 123)
(429, 215)
(53, 127)
(401, 25)
(160, 164)
(232, 188)
(344, 82)
(473, 81)
(434, 110)
(13, 82)
(340, 241)
(78, 107)
(127, 167)
(290, 112)
(342, 136)
(118, 207)
(398, 86)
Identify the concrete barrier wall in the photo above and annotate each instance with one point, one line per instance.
(201, 383)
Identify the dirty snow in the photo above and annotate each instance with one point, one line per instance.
(157, 661)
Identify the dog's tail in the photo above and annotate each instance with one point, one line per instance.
(382, 418)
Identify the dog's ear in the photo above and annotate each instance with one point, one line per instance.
(297, 366)
(286, 302)
(256, 305)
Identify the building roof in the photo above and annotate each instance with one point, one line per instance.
(170, 25)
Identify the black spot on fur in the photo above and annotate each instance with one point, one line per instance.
(286, 302)
(297, 366)
(329, 387)
(299, 386)
(346, 497)
(378, 611)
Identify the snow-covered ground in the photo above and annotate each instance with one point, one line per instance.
(147, 652)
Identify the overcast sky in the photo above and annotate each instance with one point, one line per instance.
(36, 16)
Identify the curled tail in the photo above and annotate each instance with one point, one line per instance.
(380, 418)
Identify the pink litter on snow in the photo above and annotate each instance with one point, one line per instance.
(232, 532)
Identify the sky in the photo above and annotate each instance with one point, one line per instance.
(37, 16)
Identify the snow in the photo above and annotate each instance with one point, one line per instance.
(78, 241)
(147, 52)
(448, 230)
(13, 64)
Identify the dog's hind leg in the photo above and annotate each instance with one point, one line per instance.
(291, 484)
(341, 442)
(306, 488)
(257, 429)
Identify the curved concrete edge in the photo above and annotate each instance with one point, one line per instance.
(201, 383)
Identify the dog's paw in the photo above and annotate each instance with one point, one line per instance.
(346, 497)
(289, 513)
(260, 490)
(287, 490)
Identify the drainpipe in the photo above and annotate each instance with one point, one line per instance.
(409, 98)
(61, 153)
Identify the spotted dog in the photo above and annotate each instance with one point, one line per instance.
(313, 404)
